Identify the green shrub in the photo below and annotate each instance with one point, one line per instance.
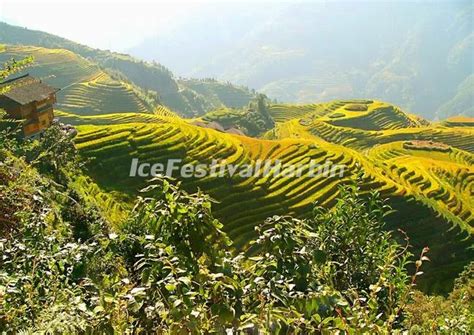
(444, 315)
(169, 268)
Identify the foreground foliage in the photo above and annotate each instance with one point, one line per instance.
(169, 268)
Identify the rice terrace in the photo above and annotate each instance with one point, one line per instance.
(184, 204)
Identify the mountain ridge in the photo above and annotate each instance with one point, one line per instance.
(154, 77)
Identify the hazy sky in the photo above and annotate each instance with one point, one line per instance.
(107, 24)
(118, 24)
(101, 23)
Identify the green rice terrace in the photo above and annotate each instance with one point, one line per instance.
(380, 123)
(84, 88)
(101, 95)
(422, 168)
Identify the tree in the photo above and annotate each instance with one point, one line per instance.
(12, 67)
(261, 102)
(7, 128)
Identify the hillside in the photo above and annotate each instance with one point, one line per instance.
(433, 181)
(364, 129)
(308, 170)
(462, 102)
(219, 93)
(178, 95)
(423, 168)
(84, 88)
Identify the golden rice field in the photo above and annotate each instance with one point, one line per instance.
(381, 123)
(243, 201)
(432, 191)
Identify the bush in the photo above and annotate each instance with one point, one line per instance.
(169, 267)
(440, 315)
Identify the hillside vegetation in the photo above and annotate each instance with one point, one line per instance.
(219, 93)
(187, 97)
(253, 120)
(78, 260)
(88, 247)
(421, 167)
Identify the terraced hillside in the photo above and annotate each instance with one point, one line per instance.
(187, 97)
(281, 113)
(433, 181)
(59, 67)
(379, 123)
(360, 114)
(160, 115)
(459, 121)
(100, 95)
(84, 88)
(115, 145)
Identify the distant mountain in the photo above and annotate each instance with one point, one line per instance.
(178, 95)
(462, 102)
(414, 54)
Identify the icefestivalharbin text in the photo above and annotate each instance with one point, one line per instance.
(259, 168)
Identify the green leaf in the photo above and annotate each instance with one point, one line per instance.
(185, 280)
(138, 291)
(99, 309)
(108, 298)
(319, 256)
(170, 287)
(316, 318)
